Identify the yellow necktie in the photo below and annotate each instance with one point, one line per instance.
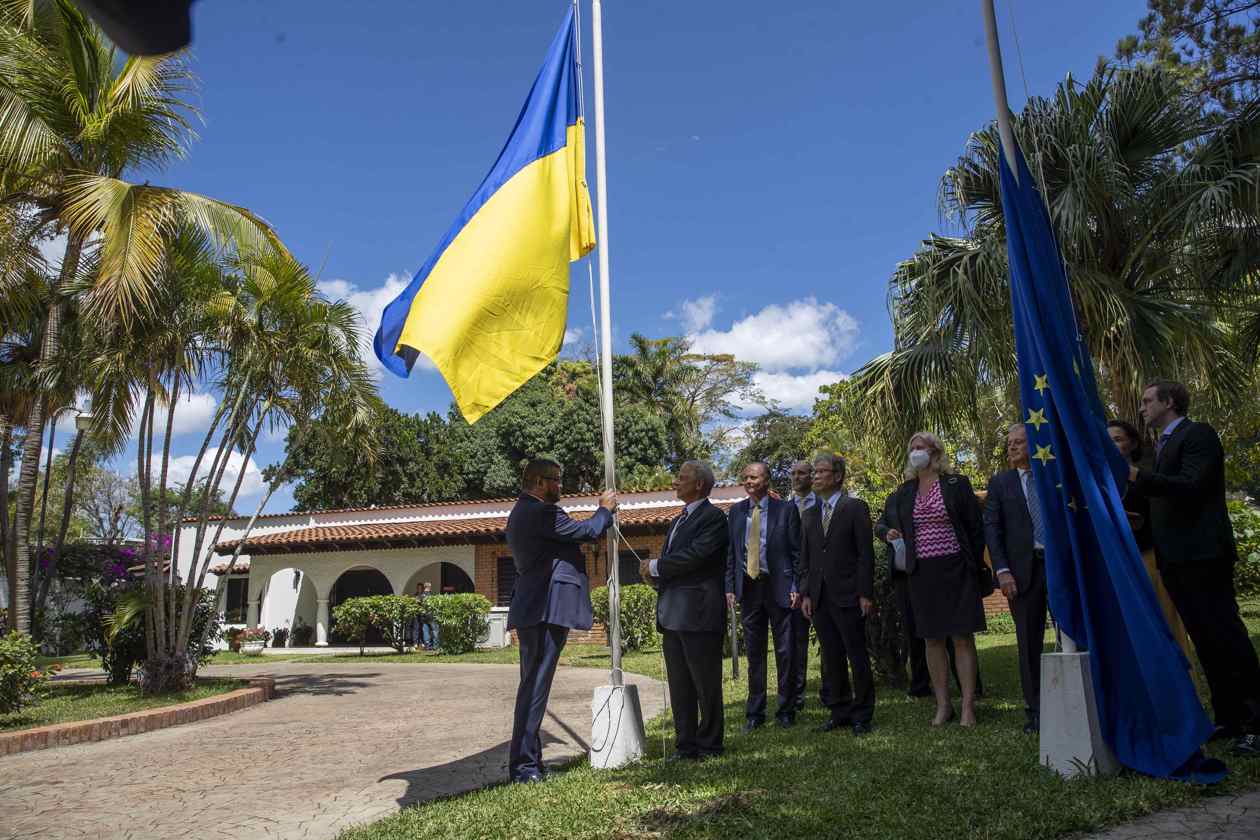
(754, 543)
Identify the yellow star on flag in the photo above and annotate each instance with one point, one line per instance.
(1043, 454)
(1037, 418)
(1040, 383)
(1072, 503)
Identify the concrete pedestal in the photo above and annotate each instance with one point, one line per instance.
(617, 726)
(1071, 739)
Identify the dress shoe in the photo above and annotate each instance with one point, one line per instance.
(786, 721)
(531, 779)
(682, 756)
(831, 723)
(860, 729)
(799, 705)
(1033, 725)
(1247, 745)
(752, 725)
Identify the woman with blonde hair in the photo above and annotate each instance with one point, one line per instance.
(937, 516)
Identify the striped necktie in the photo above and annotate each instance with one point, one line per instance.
(1034, 509)
(828, 509)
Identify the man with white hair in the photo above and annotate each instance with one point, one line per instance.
(691, 613)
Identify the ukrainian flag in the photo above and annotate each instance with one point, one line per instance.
(489, 307)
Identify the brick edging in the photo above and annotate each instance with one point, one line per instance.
(260, 690)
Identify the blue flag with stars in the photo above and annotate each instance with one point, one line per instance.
(1099, 590)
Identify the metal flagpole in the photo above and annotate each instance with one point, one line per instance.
(617, 736)
(605, 327)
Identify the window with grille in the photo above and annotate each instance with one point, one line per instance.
(505, 578)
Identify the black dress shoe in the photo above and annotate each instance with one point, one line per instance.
(860, 729)
(831, 723)
(799, 705)
(682, 756)
(785, 721)
(531, 779)
(1033, 724)
(752, 725)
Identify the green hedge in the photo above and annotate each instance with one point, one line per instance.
(462, 620)
(638, 614)
(21, 680)
(1246, 521)
(390, 614)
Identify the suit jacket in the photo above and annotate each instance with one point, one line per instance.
(843, 558)
(782, 528)
(1008, 528)
(1189, 521)
(691, 572)
(960, 503)
(551, 582)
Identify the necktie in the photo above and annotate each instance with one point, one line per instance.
(827, 510)
(800, 504)
(674, 530)
(1159, 445)
(1034, 509)
(754, 543)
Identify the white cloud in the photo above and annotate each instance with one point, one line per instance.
(572, 336)
(696, 315)
(798, 335)
(181, 466)
(795, 391)
(370, 303)
(192, 414)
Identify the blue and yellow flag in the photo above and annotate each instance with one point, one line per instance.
(1098, 586)
(489, 307)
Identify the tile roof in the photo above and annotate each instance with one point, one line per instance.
(482, 529)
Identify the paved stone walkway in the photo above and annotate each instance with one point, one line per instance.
(1235, 817)
(343, 743)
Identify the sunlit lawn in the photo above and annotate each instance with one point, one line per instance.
(66, 703)
(906, 780)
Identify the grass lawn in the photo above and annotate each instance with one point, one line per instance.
(66, 703)
(906, 780)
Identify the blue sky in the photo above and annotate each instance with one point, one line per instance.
(769, 164)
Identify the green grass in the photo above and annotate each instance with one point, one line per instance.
(67, 703)
(906, 780)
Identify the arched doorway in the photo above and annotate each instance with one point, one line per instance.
(357, 583)
(444, 577)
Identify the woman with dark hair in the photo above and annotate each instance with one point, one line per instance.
(1128, 440)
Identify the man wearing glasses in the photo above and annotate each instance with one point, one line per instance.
(551, 596)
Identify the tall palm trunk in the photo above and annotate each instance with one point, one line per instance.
(7, 532)
(32, 445)
(67, 504)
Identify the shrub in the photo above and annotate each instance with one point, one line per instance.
(390, 614)
(121, 654)
(1246, 520)
(461, 619)
(638, 614)
(232, 636)
(303, 634)
(352, 618)
(21, 680)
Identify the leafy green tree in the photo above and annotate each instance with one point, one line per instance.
(1155, 215)
(415, 462)
(1213, 46)
(353, 618)
(778, 438)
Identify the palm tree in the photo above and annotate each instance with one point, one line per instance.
(76, 119)
(1156, 218)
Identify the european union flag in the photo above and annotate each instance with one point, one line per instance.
(1099, 590)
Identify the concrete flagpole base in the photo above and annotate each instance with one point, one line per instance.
(617, 726)
(1071, 738)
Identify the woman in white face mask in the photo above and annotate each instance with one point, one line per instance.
(933, 521)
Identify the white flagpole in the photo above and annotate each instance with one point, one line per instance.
(605, 326)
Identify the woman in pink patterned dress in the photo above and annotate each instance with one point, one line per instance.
(938, 516)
